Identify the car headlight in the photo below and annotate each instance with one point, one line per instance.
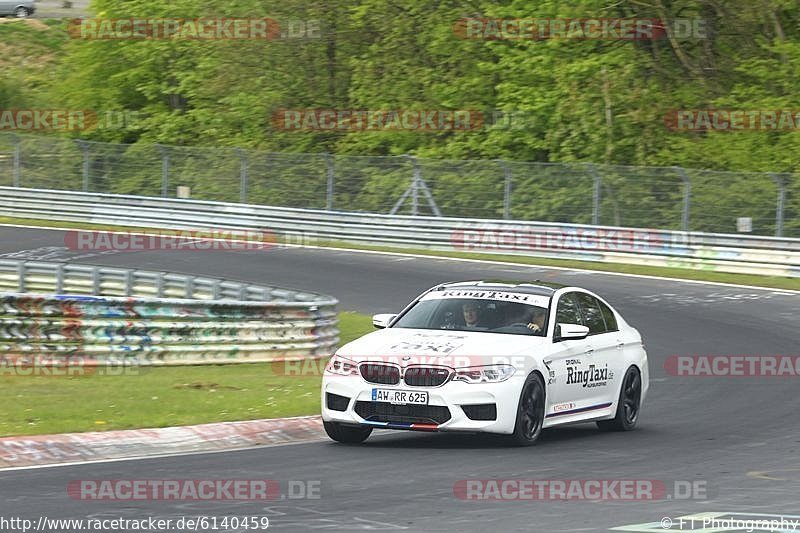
(341, 366)
(484, 374)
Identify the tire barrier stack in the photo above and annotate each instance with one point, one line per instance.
(55, 313)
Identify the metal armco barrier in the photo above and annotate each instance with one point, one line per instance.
(58, 313)
(706, 251)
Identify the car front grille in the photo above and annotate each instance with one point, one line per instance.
(425, 376)
(407, 414)
(380, 374)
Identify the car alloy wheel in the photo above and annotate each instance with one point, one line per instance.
(630, 400)
(530, 412)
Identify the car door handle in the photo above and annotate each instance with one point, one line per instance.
(620, 344)
(589, 351)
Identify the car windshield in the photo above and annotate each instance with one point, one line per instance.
(474, 314)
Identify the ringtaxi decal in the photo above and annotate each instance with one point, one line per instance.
(532, 299)
(590, 377)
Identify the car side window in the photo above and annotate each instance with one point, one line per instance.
(608, 314)
(592, 314)
(568, 311)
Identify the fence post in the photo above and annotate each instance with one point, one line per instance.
(598, 184)
(506, 189)
(687, 197)
(17, 159)
(243, 167)
(414, 186)
(84, 146)
(331, 174)
(164, 151)
(781, 183)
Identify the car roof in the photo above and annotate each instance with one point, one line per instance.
(543, 288)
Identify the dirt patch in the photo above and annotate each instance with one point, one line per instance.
(33, 23)
(203, 385)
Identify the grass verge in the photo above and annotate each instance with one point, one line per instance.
(161, 397)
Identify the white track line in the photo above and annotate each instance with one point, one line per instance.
(156, 456)
(377, 434)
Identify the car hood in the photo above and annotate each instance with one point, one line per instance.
(462, 348)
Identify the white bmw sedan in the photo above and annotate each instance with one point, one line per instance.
(493, 357)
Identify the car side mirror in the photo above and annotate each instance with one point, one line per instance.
(383, 320)
(570, 332)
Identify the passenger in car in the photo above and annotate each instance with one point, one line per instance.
(472, 316)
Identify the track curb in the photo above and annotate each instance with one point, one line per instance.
(66, 448)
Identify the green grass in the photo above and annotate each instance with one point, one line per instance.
(33, 35)
(666, 272)
(29, 53)
(161, 397)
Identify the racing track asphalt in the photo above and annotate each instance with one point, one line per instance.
(720, 431)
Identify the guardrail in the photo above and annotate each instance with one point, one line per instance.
(707, 251)
(61, 313)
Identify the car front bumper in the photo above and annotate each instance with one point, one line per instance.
(448, 407)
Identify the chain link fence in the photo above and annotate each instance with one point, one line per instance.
(671, 198)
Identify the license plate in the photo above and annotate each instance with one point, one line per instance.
(400, 397)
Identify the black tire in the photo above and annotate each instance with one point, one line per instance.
(629, 404)
(530, 412)
(347, 434)
(21, 13)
